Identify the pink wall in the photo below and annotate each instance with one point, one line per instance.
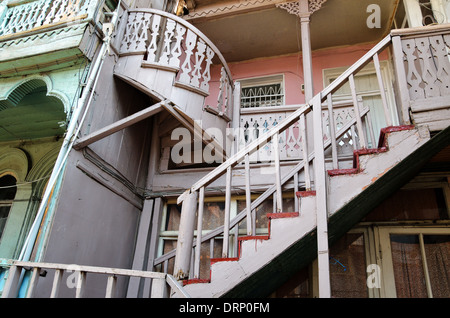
(292, 68)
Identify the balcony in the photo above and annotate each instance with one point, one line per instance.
(169, 59)
(43, 35)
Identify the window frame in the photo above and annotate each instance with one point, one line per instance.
(264, 81)
(384, 246)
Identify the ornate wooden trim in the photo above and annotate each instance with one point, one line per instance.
(293, 7)
(230, 8)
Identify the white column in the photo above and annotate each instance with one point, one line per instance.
(441, 9)
(413, 13)
(306, 50)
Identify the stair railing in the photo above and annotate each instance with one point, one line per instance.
(186, 256)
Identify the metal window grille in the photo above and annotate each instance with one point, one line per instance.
(262, 96)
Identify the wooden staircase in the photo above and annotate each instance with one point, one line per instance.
(337, 196)
(293, 230)
(172, 61)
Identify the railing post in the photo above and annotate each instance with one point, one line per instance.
(11, 288)
(185, 237)
(279, 193)
(226, 224)
(321, 200)
(198, 247)
(402, 83)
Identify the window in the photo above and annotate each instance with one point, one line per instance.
(262, 92)
(418, 263)
(8, 191)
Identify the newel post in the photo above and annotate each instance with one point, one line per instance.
(321, 201)
(185, 236)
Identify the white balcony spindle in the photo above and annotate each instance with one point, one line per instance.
(81, 284)
(206, 76)
(153, 46)
(304, 144)
(248, 199)
(199, 57)
(186, 67)
(111, 286)
(56, 283)
(359, 126)
(276, 151)
(226, 226)
(177, 50)
(168, 36)
(201, 200)
(332, 127)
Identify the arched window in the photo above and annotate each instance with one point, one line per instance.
(8, 191)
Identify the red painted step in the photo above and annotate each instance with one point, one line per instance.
(303, 194)
(382, 147)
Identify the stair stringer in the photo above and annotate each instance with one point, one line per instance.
(256, 253)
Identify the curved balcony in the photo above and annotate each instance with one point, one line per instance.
(170, 59)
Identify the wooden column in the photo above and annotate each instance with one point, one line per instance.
(185, 237)
(306, 49)
(413, 13)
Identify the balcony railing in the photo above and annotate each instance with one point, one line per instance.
(167, 42)
(76, 278)
(34, 15)
(254, 122)
(422, 62)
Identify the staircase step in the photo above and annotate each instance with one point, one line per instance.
(382, 147)
(223, 259)
(382, 142)
(303, 194)
(282, 215)
(195, 281)
(340, 172)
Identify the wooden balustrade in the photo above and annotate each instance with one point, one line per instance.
(160, 286)
(421, 59)
(36, 14)
(254, 122)
(170, 43)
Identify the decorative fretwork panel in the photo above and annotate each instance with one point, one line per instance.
(170, 43)
(254, 125)
(427, 66)
(35, 14)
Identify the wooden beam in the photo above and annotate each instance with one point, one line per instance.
(118, 125)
